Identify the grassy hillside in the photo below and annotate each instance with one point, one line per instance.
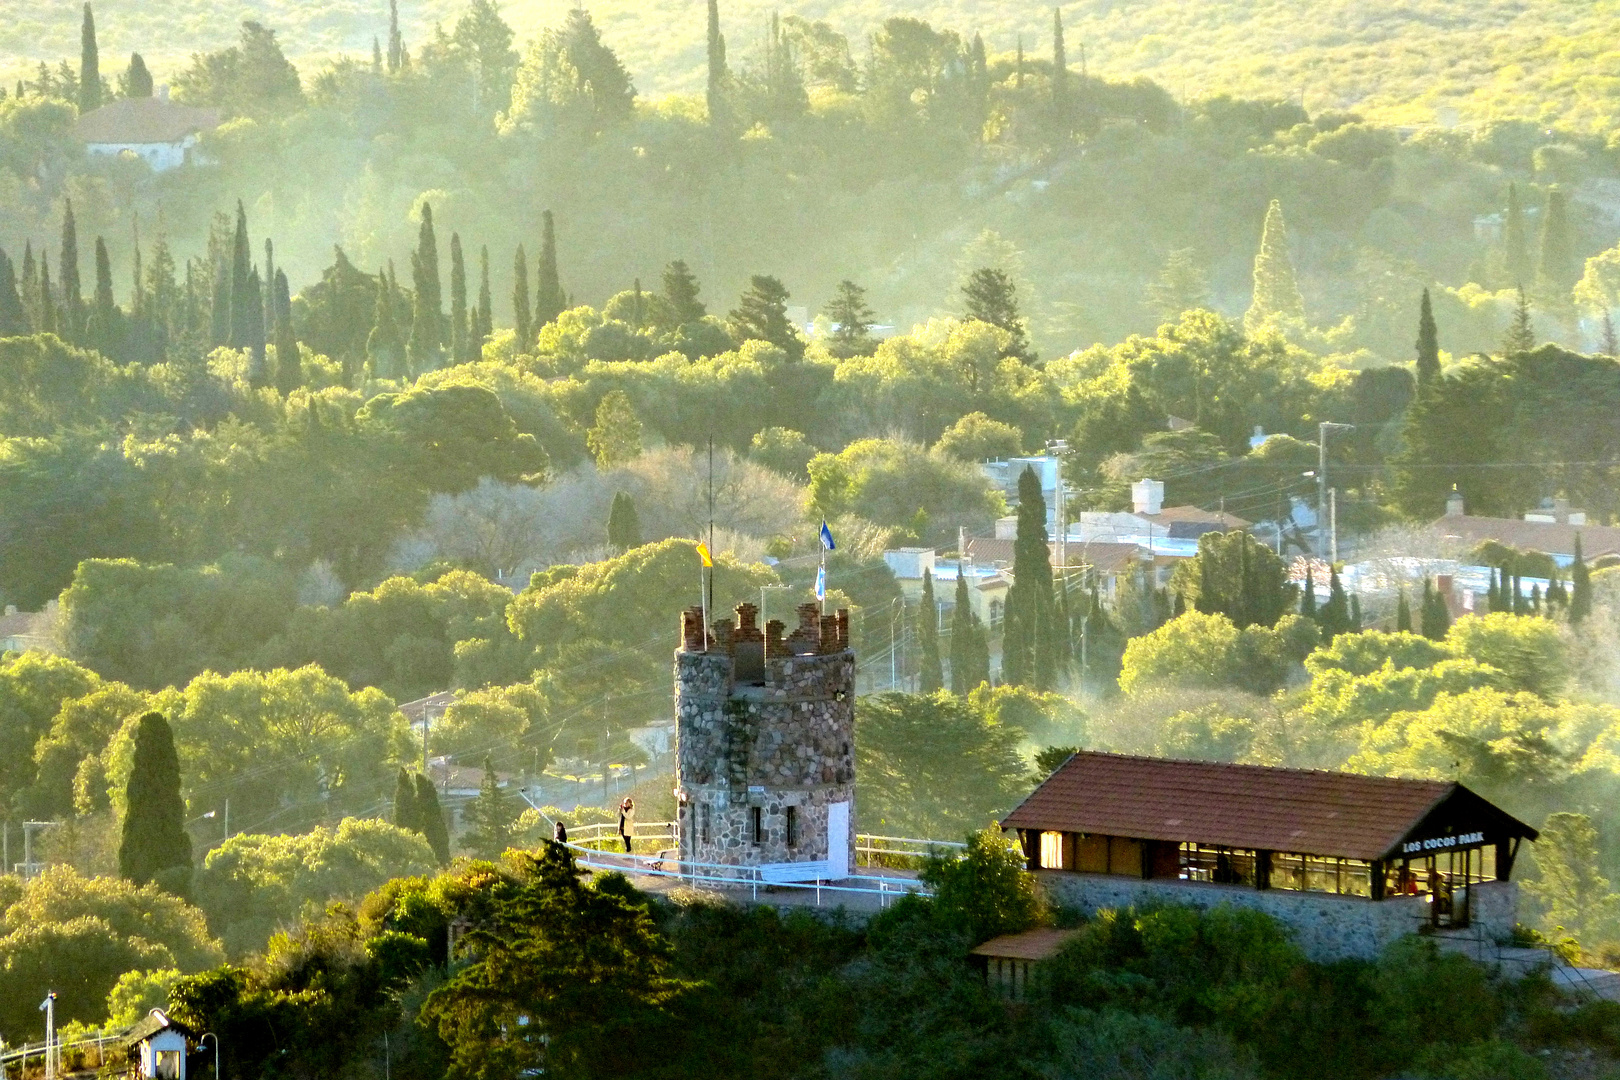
(1408, 61)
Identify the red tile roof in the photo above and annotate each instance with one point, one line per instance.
(1549, 537)
(1240, 806)
(143, 120)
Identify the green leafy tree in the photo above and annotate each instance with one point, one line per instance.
(136, 81)
(154, 844)
(1276, 293)
(931, 677)
(1570, 887)
(1029, 636)
(935, 763)
(1558, 267)
(989, 296)
(252, 77)
(852, 333)
(549, 300)
(1428, 343)
(581, 965)
(1521, 332)
(975, 437)
(1237, 576)
(1203, 651)
(1182, 285)
(1516, 241)
(784, 450)
(491, 817)
(433, 827)
(681, 290)
(570, 81)
(90, 91)
(985, 891)
(623, 524)
(761, 315)
(616, 436)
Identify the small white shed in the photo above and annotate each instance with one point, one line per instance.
(161, 1045)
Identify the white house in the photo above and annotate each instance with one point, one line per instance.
(161, 1045)
(158, 131)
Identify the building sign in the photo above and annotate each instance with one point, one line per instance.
(1442, 843)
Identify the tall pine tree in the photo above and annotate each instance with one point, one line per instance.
(13, 316)
(1403, 614)
(405, 811)
(71, 323)
(154, 845)
(623, 524)
(1558, 268)
(1521, 333)
(522, 323)
(970, 652)
(396, 43)
(990, 296)
(289, 363)
(101, 326)
(431, 819)
(90, 90)
(1060, 72)
(1434, 618)
(484, 324)
(460, 329)
(681, 290)
(491, 816)
(1580, 586)
(258, 362)
(385, 349)
(1428, 343)
(1027, 655)
(931, 676)
(242, 300)
(1276, 292)
(719, 78)
(549, 301)
(1516, 241)
(1334, 615)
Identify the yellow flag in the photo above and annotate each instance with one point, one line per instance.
(703, 553)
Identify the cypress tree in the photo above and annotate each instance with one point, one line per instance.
(420, 352)
(1521, 605)
(1558, 270)
(522, 326)
(1494, 593)
(90, 93)
(1276, 293)
(219, 309)
(460, 331)
(491, 833)
(289, 364)
(48, 321)
(623, 524)
(961, 635)
(485, 324)
(931, 677)
(1436, 616)
(432, 304)
(1580, 586)
(681, 290)
(385, 352)
(990, 296)
(549, 301)
(405, 811)
(243, 301)
(1026, 640)
(396, 44)
(1060, 70)
(1521, 334)
(67, 271)
(1515, 241)
(1307, 599)
(30, 285)
(269, 283)
(137, 80)
(1334, 615)
(1535, 599)
(1018, 66)
(1403, 615)
(719, 79)
(1428, 343)
(1608, 345)
(1355, 613)
(434, 830)
(154, 845)
(102, 325)
(13, 316)
(376, 56)
(258, 365)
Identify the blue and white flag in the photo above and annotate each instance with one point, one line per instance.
(821, 583)
(826, 537)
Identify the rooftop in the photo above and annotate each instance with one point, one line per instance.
(1550, 537)
(1251, 807)
(143, 120)
(1035, 944)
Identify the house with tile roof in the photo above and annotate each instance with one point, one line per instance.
(160, 132)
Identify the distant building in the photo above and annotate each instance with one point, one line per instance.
(21, 631)
(1550, 529)
(1349, 862)
(160, 132)
(160, 1047)
(1149, 520)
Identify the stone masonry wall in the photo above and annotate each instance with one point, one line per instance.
(767, 721)
(1327, 927)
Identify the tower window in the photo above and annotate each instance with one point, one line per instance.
(759, 825)
(703, 821)
(793, 826)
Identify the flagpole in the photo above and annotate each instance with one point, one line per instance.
(710, 601)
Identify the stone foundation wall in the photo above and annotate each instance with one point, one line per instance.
(730, 823)
(1327, 927)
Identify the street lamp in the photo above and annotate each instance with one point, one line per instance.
(211, 1035)
(1323, 429)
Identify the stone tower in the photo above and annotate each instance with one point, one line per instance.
(765, 743)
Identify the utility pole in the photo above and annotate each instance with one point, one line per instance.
(1322, 431)
(48, 1007)
(1333, 525)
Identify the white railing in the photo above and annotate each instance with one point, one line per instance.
(20, 1055)
(872, 850)
(598, 846)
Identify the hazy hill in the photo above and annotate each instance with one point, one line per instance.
(1410, 61)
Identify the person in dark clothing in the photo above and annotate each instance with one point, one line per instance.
(559, 832)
